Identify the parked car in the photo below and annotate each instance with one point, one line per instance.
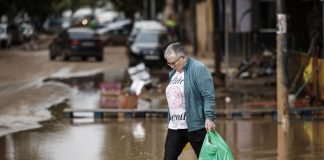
(56, 25)
(5, 36)
(116, 33)
(148, 47)
(145, 25)
(81, 42)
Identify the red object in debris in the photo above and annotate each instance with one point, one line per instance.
(110, 89)
(109, 101)
(129, 101)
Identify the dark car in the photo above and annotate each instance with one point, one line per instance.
(116, 33)
(148, 47)
(56, 25)
(119, 36)
(80, 42)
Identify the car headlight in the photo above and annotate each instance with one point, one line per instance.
(135, 49)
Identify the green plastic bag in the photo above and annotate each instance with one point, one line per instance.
(215, 148)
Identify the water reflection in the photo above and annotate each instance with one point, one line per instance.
(282, 141)
(263, 139)
(132, 139)
(138, 131)
(10, 154)
(87, 93)
(144, 139)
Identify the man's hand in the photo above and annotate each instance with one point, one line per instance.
(210, 125)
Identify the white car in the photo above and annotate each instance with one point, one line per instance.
(145, 25)
(5, 35)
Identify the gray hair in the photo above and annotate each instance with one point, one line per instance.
(175, 49)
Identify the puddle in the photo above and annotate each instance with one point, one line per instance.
(87, 88)
(143, 138)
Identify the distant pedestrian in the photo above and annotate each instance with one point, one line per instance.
(191, 101)
(172, 27)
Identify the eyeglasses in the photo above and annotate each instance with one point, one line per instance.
(171, 64)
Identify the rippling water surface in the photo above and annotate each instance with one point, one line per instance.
(143, 138)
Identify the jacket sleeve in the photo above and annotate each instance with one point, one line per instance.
(205, 86)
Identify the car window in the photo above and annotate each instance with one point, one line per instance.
(147, 37)
(152, 37)
(81, 35)
(122, 31)
(114, 32)
(125, 31)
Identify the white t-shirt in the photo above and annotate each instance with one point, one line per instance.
(176, 101)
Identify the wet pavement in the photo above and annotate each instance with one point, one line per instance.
(58, 85)
(25, 92)
(143, 138)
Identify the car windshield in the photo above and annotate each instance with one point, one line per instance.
(151, 37)
(81, 35)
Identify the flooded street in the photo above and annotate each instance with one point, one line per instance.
(34, 126)
(143, 139)
(105, 79)
(132, 139)
(26, 93)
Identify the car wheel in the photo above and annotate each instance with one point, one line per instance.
(99, 58)
(65, 56)
(2, 44)
(84, 58)
(9, 44)
(52, 57)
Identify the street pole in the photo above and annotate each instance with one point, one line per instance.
(282, 65)
(322, 27)
(194, 29)
(153, 16)
(145, 6)
(219, 37)
(226, 39)
(181, 21)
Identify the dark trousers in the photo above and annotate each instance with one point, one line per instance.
(177, 139)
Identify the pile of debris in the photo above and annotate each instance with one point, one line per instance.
(144, 92)
(259, 66)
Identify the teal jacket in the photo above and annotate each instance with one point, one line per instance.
(199, 94)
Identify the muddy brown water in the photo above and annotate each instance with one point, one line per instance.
(143, 139)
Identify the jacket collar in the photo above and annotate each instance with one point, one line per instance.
(187, 63)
